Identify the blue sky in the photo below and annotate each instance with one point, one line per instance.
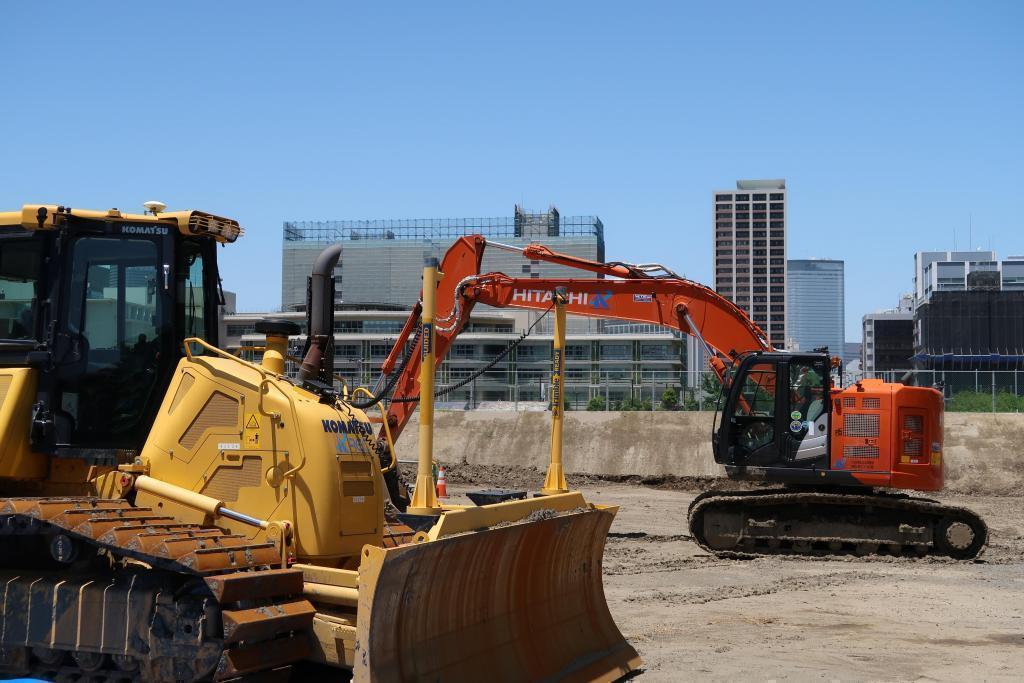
(894, 124)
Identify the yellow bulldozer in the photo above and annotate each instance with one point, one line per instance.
(172, 512)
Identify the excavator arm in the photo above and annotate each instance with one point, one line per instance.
(639, 293)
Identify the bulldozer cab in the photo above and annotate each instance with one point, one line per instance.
(98, 305)
(775, 412)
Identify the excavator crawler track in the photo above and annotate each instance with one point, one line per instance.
(830, 523)
(95, 589)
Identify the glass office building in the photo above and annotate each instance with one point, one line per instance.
(816, 309)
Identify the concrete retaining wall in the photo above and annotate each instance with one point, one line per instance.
(983, 450)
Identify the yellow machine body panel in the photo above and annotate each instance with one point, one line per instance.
(265, 447)
(17, 392)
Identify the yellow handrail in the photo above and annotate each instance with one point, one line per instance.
(220, 352)
(387, 429)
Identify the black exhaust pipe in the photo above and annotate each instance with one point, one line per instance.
(318, 360)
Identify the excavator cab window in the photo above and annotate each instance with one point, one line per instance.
(807, 439)
(751, 421)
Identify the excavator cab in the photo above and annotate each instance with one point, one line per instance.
(775, 412)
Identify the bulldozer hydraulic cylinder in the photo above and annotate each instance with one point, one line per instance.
(198, 501)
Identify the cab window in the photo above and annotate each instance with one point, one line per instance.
(115, 329)
(757, 397)
(192, 308)
(19, 277)
(806, 391)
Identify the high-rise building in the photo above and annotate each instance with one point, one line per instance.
(968, 311)
(749, 232)
(381, 261)
(888, 339)
(815, 305)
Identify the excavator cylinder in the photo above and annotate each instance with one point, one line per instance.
(424, 499)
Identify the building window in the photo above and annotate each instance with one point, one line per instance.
(777, 196)
(759, 214)
(760, 207)
(759, 197)
(616, 352)
(775, 214)
(526, 269)
(743, 197)
(723, 197)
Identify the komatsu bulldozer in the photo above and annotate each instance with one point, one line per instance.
(171, 512)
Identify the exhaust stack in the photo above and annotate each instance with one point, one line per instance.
(318, 358)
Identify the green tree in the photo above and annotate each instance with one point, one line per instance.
(690, 401)
(711, 387)
(669, 399)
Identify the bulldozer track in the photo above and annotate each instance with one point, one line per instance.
(827, 523)
(96, 589)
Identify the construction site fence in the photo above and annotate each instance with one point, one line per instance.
(997, 391)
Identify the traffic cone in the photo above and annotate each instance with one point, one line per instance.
(442, 483)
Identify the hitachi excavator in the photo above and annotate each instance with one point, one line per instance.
(840, 455)
(171, 512)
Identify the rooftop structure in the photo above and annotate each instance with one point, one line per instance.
(961, 271)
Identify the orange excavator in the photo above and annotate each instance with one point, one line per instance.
(839, 455)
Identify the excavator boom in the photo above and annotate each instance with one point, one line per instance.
(635, 295)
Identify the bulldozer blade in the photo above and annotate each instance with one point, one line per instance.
(517, 601)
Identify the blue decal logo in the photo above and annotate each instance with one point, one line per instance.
(601, 300)
(840, 464)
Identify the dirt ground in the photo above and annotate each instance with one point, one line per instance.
(696, 617)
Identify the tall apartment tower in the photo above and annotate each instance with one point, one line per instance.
(750, 252)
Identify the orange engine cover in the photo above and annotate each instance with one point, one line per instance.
(888, 434)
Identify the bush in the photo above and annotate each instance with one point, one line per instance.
(981, 402)
(596, 403)
(669, 399)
